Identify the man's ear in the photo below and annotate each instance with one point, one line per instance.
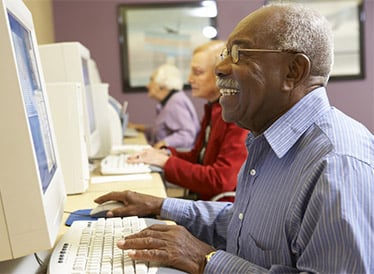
(298, 71)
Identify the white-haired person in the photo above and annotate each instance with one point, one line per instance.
(176, 123)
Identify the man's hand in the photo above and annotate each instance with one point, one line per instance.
(149, 156)
(170, 245)
(136, 204)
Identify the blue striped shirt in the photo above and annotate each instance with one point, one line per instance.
(304, 198)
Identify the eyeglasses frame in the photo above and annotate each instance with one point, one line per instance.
(249, 50)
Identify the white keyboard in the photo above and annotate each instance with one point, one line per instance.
(90, 247)
(117, 164)
(128, 148)
(131, 132)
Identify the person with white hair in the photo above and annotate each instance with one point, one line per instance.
(176, 123)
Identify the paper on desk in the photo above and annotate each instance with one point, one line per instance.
(121, 178)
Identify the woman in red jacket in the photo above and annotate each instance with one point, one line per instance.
(211, 167)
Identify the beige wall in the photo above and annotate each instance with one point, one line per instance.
(42, 13)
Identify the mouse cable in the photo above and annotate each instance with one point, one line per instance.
(38, 259)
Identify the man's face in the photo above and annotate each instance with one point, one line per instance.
(251, 88)
(202, 77)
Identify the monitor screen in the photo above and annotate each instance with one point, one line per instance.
(34, 101)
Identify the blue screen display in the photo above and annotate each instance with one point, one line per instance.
(33, 97)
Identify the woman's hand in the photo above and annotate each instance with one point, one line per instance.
(149, 156)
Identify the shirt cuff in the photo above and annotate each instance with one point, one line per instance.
(224, 262)
(175, 209)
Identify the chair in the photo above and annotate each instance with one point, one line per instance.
(223, 195)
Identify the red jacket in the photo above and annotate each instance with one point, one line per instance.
(224, 155)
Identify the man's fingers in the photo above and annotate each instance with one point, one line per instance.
(154, 231)
(115, 196)
(141, 243)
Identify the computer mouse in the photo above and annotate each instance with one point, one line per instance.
(101, 209)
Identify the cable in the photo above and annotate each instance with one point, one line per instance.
(38, 259)
(43, 264)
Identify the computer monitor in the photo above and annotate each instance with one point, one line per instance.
(100, 98)
(94, 72)
(116, 105)
(66, 106)
(110, 129)
(68, 62)
(32, 194)
(115, 127)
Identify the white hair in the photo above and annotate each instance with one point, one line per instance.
(302, 29)
(169, 76)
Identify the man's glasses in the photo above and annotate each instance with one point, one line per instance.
(234, 52)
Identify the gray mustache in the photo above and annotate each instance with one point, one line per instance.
(227, 83)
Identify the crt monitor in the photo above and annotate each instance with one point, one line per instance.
(100, 99)
(94, 72)
(65, 100)
(109, 123)
(32, 193)
(69, 62)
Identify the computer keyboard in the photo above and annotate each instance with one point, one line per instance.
(128, 148)
(90, 247)
(117, 164)
(130, 132)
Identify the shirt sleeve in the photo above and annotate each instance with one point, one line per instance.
(208, 221)
(224, 262)
(213, 218)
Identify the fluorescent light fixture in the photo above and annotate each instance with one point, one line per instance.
(210, 32)
(207, 9)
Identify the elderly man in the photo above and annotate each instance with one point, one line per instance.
(305, 194)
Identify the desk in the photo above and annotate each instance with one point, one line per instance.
(154, 186)
(139, 139)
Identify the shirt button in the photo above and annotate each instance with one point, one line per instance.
(252, 172)
(241, 216)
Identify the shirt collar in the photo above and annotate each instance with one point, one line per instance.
(163, 102)
(285, 131)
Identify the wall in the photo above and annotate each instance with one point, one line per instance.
(43, 19)
(94, 24)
